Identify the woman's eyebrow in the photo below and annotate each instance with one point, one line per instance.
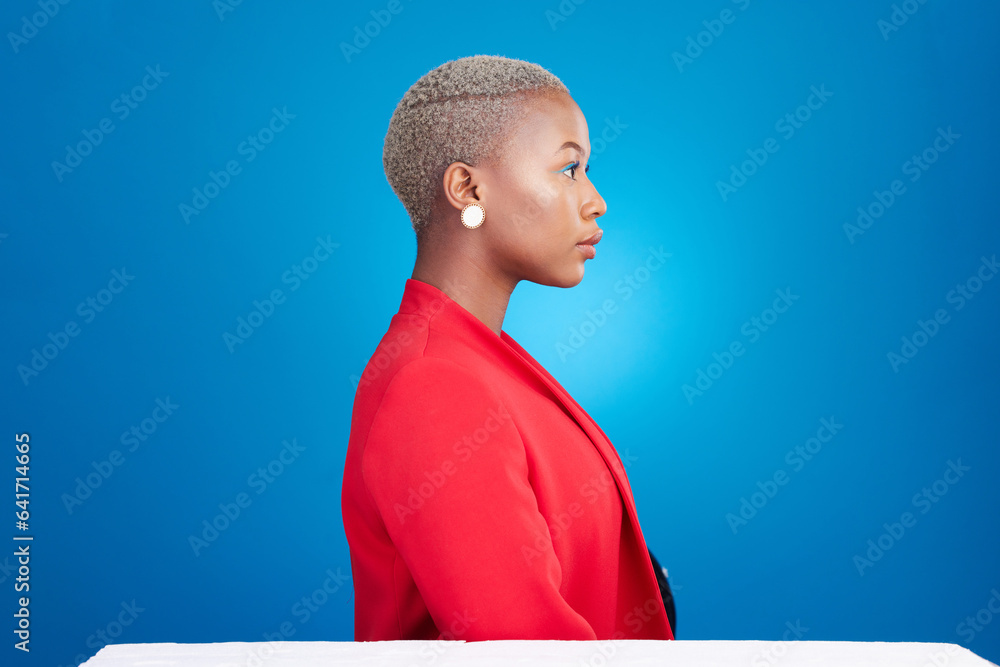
(569, 144)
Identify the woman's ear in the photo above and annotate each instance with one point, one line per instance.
(462, 185)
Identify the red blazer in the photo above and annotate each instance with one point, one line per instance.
(479, 500)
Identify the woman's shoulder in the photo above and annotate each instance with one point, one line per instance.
(436, 375)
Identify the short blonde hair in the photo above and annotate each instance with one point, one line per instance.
(457, 112)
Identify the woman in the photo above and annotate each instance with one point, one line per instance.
(480, 501)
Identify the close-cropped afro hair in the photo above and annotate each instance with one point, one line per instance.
(457, 112)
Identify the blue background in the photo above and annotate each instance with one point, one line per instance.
(680, 127)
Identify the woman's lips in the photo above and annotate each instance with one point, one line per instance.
(586, 246)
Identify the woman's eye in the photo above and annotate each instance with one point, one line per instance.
(570, 170)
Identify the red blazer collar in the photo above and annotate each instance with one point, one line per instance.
(422, 298)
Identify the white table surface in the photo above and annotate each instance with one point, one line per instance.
(680, 653)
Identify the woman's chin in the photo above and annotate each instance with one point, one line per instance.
(566, 274)
(573, 277)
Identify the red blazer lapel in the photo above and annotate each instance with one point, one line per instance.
(589, 426)
(421, 297)
(607, 450)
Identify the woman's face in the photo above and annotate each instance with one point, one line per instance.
(539, 201)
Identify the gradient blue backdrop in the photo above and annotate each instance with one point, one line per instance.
(672, 130)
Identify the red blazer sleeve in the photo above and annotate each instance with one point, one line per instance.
(447, 469)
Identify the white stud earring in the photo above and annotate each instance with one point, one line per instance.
(473, 215)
